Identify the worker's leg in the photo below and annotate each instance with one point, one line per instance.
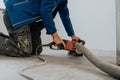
(21, 36)
(35, 29)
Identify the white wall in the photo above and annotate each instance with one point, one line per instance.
(1, 4)
(2, 28)
(93, 20)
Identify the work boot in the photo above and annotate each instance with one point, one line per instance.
(35, 29)
(9, 48)
(21, 36)
(73, 53)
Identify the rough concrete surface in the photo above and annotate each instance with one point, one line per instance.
(58, 66)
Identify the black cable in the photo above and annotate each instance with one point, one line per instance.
(37, 54)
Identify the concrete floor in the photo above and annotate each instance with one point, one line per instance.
(59, 66)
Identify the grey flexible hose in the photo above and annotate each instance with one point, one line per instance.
(110, 69)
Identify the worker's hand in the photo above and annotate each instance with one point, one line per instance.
(58, 40)
(75, 38)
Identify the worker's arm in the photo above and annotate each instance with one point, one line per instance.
(64, 15)
(46, 8)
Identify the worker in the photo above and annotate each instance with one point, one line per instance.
(24, 20)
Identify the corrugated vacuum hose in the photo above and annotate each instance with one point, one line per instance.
(112, 70)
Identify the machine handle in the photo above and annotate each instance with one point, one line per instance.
(57, 47)
(82, 42)
(61, 47)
